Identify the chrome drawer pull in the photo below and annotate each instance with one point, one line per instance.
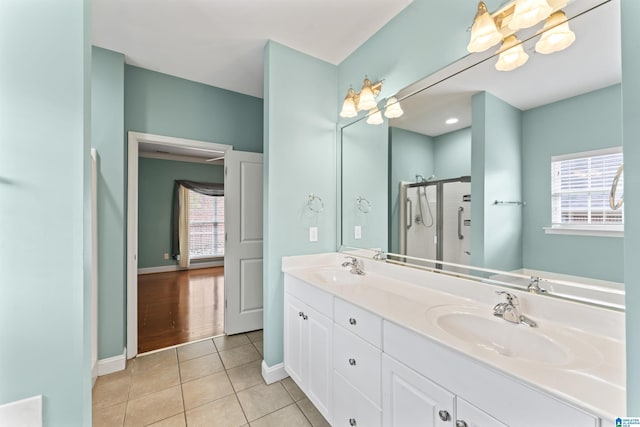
(352, 362)
(461, 423)
(352, 321)
(352, 421)
(304, 317)
(444, 415)
(300, 314)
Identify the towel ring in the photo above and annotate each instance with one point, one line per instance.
(315, 203)
(363, 204)
(614, 186)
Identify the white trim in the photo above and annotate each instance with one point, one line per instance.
(194, 266)
(25, 412)
(133, 140)
(274, 373)
(592, 153)
(595, 232)
(179, 158)
(112, 364)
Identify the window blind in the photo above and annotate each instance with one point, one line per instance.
(581, 185)
(206, 225)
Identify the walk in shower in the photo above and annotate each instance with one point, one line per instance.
(435, 219)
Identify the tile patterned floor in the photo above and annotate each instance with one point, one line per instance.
(213, 383)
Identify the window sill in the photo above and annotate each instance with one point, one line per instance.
(584, 231)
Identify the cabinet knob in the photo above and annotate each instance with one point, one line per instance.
(352, 321)
(304, 316)
(352, 421)
(352, 362)
(444, 416)
(461, 423)
(300, 314)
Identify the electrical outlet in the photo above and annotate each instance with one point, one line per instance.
(166, 255)
(313, 234)
(357, 232)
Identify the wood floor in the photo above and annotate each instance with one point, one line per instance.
(179, 307)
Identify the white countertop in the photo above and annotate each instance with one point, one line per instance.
(594, 378)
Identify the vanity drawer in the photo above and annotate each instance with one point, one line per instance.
(352, 408)
(359, 321)
(358, 361)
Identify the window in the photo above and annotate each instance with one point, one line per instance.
(206, 226)
(580, 189)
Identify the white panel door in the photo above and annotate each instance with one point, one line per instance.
(243, 248)
(411, 400)
(468, 415)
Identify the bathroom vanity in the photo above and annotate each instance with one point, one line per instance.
(401, 347)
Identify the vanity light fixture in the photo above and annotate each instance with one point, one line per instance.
(392, 109)
(512, 55)
(528, 13)
(452, 121)
(484, 32)
(556, 34)
(349, 105)
(365, 100)
(488, 29)
(375, 117)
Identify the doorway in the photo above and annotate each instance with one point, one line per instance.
(170, 293)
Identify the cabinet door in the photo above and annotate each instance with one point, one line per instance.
(294, 339)
(319, 331)
(468, 415)
(411, 400)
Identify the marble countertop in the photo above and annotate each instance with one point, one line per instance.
(593, 378)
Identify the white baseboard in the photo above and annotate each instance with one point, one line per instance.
(274, 373)
(94, 373)
(194, 266)
(112, 364)
(25, 412)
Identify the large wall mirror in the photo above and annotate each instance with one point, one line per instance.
(501, 170)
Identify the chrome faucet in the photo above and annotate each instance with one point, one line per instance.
(380, 256)
(510, 310)
(534, 286)
(353, 262)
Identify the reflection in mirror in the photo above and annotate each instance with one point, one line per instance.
(465, 175)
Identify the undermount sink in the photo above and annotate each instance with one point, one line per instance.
(337, 276)
(476, 326)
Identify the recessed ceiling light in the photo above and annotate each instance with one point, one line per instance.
(452, 121)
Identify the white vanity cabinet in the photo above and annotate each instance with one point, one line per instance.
(411, 400)
(357, 338)
(308, 338)
(482, 396)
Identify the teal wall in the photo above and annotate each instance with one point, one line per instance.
(156, 179)
(452, 154)
(410, 154)
(496, 170)
(107, 132)
(300, 158)
(365, 174)
(631, 132)
(587, 122)
(170, 106)
(45, 295)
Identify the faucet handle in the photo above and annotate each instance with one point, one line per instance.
(511, 298)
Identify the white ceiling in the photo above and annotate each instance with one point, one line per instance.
(220, 43)
(592, 62)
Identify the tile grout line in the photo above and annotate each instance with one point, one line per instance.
(184, 408)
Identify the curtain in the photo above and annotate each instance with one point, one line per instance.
(183, 226)
(180, 221)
